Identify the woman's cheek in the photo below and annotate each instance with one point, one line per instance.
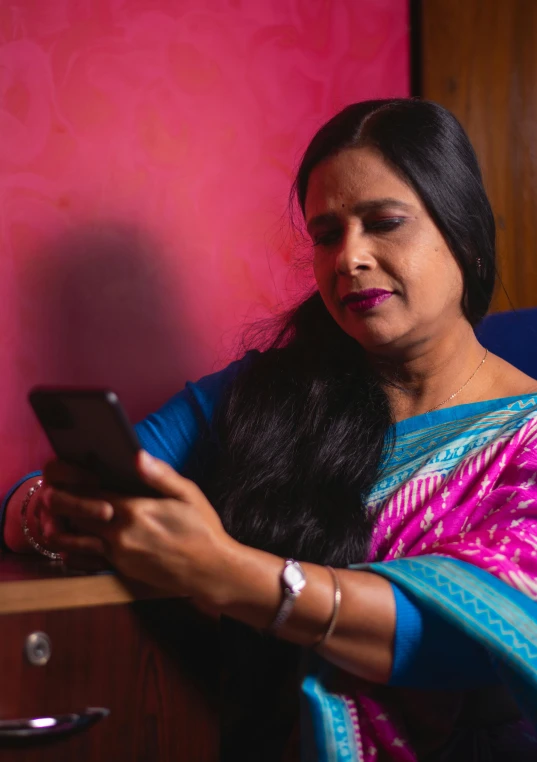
(324, 272)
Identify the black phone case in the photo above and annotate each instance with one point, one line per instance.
(89, 428)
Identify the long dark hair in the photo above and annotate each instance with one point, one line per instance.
(302, 430)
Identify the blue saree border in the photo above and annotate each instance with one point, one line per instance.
(514, 404)
(501, 619)
(327, 716)
(436, 443)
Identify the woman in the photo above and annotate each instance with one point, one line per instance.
(375, 429)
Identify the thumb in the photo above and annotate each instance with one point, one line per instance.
(161, 476)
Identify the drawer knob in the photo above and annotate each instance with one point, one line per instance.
(38, 648)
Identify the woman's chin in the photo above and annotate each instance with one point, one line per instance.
(396, 348)
(376, 339)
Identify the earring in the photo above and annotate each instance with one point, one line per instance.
(479, 265)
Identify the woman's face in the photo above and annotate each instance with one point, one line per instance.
(383, 269)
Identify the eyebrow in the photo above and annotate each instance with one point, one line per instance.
(363, 206)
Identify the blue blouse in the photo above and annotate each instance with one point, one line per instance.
(428, 653)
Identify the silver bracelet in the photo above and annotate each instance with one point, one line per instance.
(335, 610)
(26, 529)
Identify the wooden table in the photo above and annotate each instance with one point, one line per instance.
(151, 662)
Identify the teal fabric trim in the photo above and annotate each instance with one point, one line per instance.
(461, 412)
(335, 736)
(436, 443)
(501, 619)
(498, 617)
(430, 653)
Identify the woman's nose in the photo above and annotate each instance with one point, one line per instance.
(355, 254)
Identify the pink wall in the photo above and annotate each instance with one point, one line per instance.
(146, 151)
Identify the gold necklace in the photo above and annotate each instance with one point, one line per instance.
(462, 387)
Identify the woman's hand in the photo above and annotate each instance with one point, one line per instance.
(176, 543)
(71, 532)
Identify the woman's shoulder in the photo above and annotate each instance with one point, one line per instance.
(208, 389)
(509, 381)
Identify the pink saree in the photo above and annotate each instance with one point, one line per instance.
(457, 528)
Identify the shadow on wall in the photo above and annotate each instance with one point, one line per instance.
(100, 296)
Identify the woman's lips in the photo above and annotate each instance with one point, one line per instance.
(362, 301)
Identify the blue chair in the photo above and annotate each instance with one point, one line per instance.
(512, 336)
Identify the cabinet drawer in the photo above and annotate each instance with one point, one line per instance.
(152, 664)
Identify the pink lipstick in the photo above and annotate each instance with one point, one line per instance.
(362, 301)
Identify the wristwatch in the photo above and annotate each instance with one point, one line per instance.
(293, 581)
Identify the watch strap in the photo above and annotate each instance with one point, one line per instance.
(284, 612)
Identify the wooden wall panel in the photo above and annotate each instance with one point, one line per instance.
(479, 59)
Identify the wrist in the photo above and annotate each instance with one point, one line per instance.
(250, 590)
(244, 579)
(225, 587)
(14, 536)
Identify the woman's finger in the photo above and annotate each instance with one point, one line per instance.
(162, 477)
(76, 544)
(60, 473)
(73, 507)
(87, 526)
(86, 563)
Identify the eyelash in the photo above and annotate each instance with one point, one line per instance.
(386, 225)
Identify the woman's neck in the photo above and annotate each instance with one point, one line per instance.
(429, 374)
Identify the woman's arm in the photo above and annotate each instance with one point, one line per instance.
(179, 544)
(381, 634)
(363, 640)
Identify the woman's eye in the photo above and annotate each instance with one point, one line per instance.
(384, 225)
(329, 238)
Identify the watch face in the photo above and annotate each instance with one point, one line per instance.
(294, 577)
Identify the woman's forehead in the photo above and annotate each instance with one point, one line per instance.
(355, 176)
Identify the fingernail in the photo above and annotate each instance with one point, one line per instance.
(148, 462)
(108, 512)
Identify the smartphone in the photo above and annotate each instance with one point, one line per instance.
(90, 429)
